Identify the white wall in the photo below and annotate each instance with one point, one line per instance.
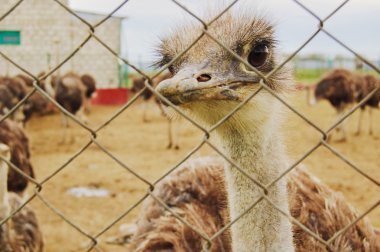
(47, 29)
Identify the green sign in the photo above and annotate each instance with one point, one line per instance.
(10, 38)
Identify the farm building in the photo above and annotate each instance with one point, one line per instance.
(39, 34)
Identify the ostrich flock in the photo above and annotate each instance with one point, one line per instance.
(72, 91)
(206, 192)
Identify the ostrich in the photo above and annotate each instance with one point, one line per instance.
(16, 85)
(197, 192)
(208, 83)
(12, 90)
(341, 88)
(90, 84)
(173, 128)
(28, 81)
(371, 83)
(21, 232)
(138, 84)
(70, 93)
(14, 136)
(37, 103)
(6, 99)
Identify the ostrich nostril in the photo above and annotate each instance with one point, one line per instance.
(203, 78)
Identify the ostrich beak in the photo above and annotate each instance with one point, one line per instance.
(187, 86)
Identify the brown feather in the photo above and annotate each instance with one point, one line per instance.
(326, 212)
(197, 193)
(21, 233)
(90, 84)
(14, 136)
(70, 92)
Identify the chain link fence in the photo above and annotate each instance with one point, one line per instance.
(93, 132)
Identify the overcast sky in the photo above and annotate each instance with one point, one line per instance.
(357, 23)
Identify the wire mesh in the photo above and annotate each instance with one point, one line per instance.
(93, 133)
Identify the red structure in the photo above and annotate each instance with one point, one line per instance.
(110, 96)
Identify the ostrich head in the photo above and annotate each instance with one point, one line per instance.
(209, 82)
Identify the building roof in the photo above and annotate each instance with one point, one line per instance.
(98, 14)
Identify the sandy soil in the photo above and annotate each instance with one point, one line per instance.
(141, 146)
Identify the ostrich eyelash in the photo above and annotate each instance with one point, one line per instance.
(161, 61)
(271, 43)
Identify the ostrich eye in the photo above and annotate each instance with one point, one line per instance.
(258, 55)
(171, 69)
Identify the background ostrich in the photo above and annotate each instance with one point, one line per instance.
(341, 88)
(90, 84)
(28, 81)
(173, 128)
(208, 83)
(14, 136)
(16, 85)
(138, 84)
(21, 232)
(12, 90)
(370, 84)
(70, 93)
(36, 104)
(6, 99)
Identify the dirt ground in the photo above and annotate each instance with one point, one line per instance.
(142, 146)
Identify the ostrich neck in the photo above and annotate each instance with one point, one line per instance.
(4, 207)
(258, 152)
